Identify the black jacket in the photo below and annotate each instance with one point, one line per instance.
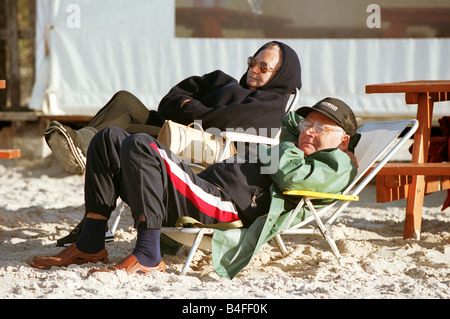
(220, 101)
(247, 187)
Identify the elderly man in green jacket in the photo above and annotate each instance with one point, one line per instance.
(313, 154)
(316, 154)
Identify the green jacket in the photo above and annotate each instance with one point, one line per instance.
(328, 170)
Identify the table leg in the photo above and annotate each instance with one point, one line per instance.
(416, 190)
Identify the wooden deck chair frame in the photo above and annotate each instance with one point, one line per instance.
(195, 237)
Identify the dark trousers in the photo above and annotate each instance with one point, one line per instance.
(127, 112)
(151, 180)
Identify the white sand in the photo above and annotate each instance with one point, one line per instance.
(41, 204)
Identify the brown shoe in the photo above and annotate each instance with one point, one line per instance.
(70, 255)
(132, 266)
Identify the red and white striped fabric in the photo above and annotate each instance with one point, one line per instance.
(209, 204)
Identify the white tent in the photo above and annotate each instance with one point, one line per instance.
(89, 49)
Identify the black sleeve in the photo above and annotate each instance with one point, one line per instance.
(201, 90)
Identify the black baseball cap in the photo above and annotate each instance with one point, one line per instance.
(336, 110)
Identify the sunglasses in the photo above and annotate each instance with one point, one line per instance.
(318, 127)
(262, 66)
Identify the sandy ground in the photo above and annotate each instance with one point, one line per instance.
(40, 203)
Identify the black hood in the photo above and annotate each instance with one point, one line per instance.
(287, 78)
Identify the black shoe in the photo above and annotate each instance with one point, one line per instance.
(75, 234)
(62, 140)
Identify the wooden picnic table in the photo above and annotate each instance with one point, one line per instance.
(414, 180)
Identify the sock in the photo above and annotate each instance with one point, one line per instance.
(147, 250)
(92, 238)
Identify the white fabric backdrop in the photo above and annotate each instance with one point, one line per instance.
(131, 45)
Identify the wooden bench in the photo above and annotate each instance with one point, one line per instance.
(394, 179)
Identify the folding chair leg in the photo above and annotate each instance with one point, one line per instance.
(281, 245)
(194, 248)
(116, 218)
(225, 147)
(324, 231)
(333, 246)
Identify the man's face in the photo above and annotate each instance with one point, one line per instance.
(333, 137)
(273, 59)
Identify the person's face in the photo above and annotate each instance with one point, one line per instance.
(333, 136)
(273, 59)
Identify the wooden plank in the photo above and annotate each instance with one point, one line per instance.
(421, 145)
(409, 87)
(390, 188)
(413, 98)
(3, 93)
(409, 169)
(32, 35)
(13, 52)
(67, 118)
(9, 153)
(436, 183)
(6, 116)
(386, 192)
(31, 116)
(23, 34)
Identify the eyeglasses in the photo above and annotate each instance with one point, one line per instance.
(262, 66)
(319, 128)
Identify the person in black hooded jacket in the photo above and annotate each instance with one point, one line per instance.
(219, 101)
(216, 100)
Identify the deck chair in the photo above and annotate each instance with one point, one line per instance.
(376, 139)
(230, 137)
(372, 152)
